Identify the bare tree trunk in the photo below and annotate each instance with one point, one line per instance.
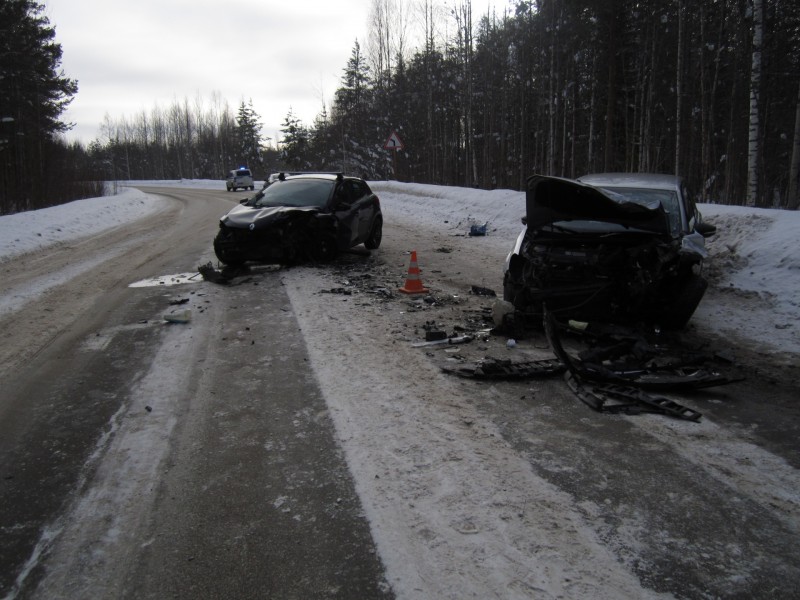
(592, 97)
(611, 12)
(793, 198)
(678, 94)
(552, 100)
(753, 150)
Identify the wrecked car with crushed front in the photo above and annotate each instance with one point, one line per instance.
(620, 248)
(312, 216)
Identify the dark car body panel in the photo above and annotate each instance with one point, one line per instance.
(549, 200)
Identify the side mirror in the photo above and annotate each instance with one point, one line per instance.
(705, 229)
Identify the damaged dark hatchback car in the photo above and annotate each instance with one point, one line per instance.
(308, 217)
(614, 248)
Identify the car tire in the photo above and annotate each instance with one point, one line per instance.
(225, 255)
(324, 248)
(373, 241)
(685, 302)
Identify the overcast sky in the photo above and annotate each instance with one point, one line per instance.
(130, 56)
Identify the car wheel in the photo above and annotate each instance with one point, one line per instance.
(225, 255)
(323, 249)
(375, 235)
(685, 302)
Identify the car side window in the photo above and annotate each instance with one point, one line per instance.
(341, 195)
(358, 190)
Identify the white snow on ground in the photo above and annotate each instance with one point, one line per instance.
(30, 231)
(425, 460)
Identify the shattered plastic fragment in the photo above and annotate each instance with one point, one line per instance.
(181, 317)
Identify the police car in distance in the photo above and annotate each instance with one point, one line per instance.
(239, 178)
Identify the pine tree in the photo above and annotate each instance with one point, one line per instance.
(34, 92)
(294, 145)
(248, 134)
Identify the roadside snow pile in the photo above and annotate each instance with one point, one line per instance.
(455, 206)
(33, 230)
(754, 272)
(763, 245)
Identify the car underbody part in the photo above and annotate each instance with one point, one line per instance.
(629, 400)
(607, 388)
(490, 368)
(616, 373)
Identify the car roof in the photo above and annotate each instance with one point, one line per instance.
(655, 181)
(331, 176)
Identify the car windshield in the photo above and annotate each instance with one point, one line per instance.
(296, 192)
(646, 197)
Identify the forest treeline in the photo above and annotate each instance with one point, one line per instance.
(708, 90)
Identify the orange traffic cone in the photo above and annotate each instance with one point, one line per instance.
(413, 283)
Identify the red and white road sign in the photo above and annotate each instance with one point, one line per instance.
(394, 142)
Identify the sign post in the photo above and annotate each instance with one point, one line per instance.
(394, 143)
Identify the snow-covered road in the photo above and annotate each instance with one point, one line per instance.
(516, 489)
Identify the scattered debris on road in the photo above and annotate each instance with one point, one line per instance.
(180, 317)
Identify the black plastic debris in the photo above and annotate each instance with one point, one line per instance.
(493, 368)
(482, 291)
(223, 277)
(478, 230)
(629, 400)
(607, 390)
(433, 335)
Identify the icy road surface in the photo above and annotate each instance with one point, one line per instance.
(293, 417)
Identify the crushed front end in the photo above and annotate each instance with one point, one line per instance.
(588, 256)
(275, 235)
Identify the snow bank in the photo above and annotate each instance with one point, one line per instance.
(36, 229)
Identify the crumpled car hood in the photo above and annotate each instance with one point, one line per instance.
(551, 200)
(243, 216)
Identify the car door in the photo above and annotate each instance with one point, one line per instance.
(364, 202)
(346, 211)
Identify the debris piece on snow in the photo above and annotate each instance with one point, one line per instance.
(482, 291)
(463, 339)
(211, 274)
(478, 230)
(492, 368)
(434, 335)
(223, 277)
(182, 317)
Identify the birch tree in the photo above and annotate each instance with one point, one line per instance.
(753, 146)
